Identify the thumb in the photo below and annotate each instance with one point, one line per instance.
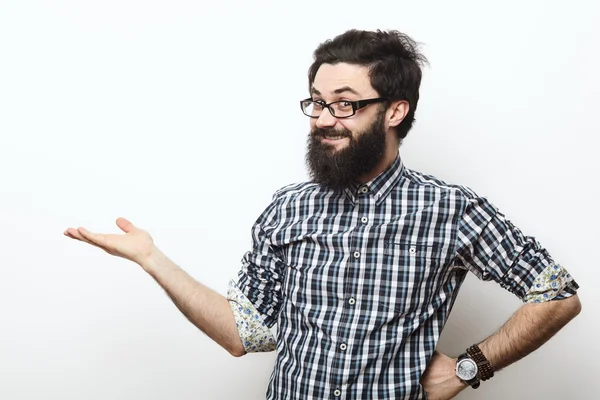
(125, 225)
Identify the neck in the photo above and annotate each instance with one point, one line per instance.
(391, 152)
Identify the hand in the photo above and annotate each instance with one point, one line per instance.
(135, 245)
(439, 380)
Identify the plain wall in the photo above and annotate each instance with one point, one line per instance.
(184, 117)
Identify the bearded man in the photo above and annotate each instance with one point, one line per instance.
(359, 268)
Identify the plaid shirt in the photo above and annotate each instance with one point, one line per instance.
(360, 282)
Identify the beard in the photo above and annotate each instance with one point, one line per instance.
(340, 169)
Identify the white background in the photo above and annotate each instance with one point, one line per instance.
(183, 117)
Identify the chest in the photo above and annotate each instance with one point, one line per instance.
(392, 255)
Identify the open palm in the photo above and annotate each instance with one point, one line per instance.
(135, 245)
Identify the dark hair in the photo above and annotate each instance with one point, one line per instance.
(393, 60)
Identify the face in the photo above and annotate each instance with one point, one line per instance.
(342, 150)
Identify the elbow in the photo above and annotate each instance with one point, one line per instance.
(237, 350)
(237, 353)
(568, 308)
(574, 305)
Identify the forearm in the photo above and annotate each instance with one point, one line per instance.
(202, 306)
(530, 327)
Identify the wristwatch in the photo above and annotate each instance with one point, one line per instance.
(466, 370)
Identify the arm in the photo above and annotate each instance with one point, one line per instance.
(530, 327)
(492, 248)
(203, 307)
(206, 309)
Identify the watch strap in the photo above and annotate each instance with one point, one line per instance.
(484, 368)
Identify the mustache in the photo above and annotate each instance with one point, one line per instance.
(322, 132)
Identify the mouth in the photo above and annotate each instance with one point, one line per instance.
(333, 137)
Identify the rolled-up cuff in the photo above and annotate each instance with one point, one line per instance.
(554, 282)
(254, 333)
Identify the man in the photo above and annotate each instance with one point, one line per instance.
(361, 266)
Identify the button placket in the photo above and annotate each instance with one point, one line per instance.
(362, 207)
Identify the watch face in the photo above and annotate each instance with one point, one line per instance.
(466, 369)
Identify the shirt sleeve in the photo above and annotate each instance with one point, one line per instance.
(254, 333)
(491, 247)
(258, 287)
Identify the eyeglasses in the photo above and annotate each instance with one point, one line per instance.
(339, 109)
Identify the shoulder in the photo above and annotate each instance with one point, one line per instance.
(294, 191)
(467, 201)
(289, 194)
(420, 179)
(283, 199)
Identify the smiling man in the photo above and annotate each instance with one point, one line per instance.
(359, 268)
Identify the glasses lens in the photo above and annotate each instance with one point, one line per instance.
(311, 108)
(339, 109)
(342, 108)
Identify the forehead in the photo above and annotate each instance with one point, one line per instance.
(332, 77)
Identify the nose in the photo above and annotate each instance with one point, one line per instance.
(326, 119)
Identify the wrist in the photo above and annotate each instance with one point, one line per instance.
(456, 381)
(484, 367)
(459, 383)
(154, 261)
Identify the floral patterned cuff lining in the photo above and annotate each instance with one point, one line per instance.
(549, 284)
(255, 334)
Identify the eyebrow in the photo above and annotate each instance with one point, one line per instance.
(343, 89)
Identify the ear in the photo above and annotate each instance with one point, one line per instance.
(397, 112)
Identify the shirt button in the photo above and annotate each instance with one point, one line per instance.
(363, 189)
(343, 346)
(351, 301)
(337, 392)
(356, 254)
(412, 250)
(364, 220)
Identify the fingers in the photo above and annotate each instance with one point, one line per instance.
(84, 235)
(104, 242)
(94, 238)
(75, 234)
(125, 225)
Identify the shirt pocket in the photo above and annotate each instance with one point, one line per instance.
(408, 274)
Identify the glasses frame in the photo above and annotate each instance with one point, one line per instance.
(356, 105)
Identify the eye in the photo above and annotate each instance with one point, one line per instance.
(318, 104)
(345, 105)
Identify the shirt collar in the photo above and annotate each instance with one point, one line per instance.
(381, 185)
